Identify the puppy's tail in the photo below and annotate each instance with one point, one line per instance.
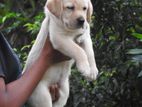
(39, 43)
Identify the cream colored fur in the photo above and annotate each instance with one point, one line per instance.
(66, 40)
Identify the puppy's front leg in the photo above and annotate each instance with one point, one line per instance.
(71, 49)
(88, 47)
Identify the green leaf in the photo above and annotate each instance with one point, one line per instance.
(137, 35)
(134, 51)
(137, 58)
(25, 47)
(10, 15)
(4, 19)
(140, 74)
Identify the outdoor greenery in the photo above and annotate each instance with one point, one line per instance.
(116, 31)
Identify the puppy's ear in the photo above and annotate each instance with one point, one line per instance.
(89, 11)
(55, 7)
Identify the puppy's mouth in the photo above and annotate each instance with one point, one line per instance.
(74, 26)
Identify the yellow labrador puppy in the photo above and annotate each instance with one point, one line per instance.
(67, 24)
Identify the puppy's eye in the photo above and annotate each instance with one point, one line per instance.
(71, 7)
(84, 8)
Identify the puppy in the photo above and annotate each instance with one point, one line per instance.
(67, 24)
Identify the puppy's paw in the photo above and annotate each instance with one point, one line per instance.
(93, 73)
(84, 68)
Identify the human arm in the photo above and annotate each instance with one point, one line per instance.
(17, 92)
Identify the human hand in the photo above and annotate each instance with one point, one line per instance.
(53, 56)
(54, 91)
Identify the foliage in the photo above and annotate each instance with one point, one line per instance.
(117, 38)
(19, 28)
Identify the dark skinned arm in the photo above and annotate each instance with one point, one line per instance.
(17, 92)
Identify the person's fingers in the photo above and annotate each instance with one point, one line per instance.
(56, 92)
(52, 92)
(58, 57)
(55, 55)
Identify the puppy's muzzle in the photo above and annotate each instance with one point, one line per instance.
(80, 21)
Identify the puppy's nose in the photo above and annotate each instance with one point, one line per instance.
(80, 21)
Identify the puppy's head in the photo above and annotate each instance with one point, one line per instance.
(73, 13)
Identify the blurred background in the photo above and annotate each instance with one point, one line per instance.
(116, 31)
